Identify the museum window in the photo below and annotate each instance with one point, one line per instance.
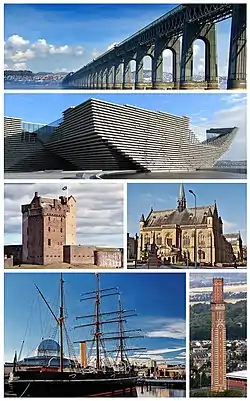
(49, 242)
(147, 240)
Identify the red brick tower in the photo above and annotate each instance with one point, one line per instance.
(218, 338)
(44, 230)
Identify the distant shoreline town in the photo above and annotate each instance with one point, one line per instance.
(26, 76)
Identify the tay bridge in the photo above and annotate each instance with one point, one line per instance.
(176, 30)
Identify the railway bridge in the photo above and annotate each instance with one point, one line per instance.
(176, 30)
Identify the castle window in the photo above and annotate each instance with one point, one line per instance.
(61, 218)
(27, 230)
(49, 218)
(48, 228)
(49, 242)
(61, 230)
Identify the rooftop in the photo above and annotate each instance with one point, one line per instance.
(240, 374)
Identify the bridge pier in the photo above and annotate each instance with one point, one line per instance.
(157, 65)
(238, 49)
(139, 79)
(198, 21)
(127, 83)
(207, 33)
(118, 76)
(103, 78)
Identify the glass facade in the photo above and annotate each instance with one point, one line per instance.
(32, 131)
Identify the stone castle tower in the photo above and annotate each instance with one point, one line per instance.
(218, 338)
(47, 225)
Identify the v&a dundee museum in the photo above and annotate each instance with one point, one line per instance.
(102, 136)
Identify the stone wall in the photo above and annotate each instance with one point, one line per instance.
(109, 258)
(15, 251)
(78, 254)
(8, 262)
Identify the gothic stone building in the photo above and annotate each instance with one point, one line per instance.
(172, 232)
(47, 225)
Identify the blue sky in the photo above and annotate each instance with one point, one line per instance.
(161, 315)
(64, 37)
(214, 110)
(229, 198)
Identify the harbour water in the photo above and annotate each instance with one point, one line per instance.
(160, 391)
(33, 86)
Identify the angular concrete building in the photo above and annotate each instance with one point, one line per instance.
(98, 135)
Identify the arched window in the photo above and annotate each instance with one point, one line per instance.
(186, 240)
(159, 239)
(201, 254)
(201, 239)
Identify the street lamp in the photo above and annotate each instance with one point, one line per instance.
(195, 230)
(136, 249)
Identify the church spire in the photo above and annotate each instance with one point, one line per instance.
(181, 203)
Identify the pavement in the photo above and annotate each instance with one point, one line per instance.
(126, 174)
(56, 266)
(170, 267)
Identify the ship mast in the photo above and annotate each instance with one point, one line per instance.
(120, 317)
(60, 321)
(97, 331)
(120, 327)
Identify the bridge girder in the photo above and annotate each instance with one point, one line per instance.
(168, 26)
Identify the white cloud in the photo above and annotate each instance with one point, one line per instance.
(16, 41)
(111, 46)
(228, 225)
(164, 350)
(170, 328)
(20, 66)
(22, 56)
(235, 98)
(232, 114)
(19, 50)
(95, 53)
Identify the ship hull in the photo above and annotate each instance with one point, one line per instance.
(67, 384)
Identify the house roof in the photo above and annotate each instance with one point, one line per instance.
(186, 217)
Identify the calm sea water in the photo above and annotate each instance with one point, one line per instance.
(156, 391)
(28, 86)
